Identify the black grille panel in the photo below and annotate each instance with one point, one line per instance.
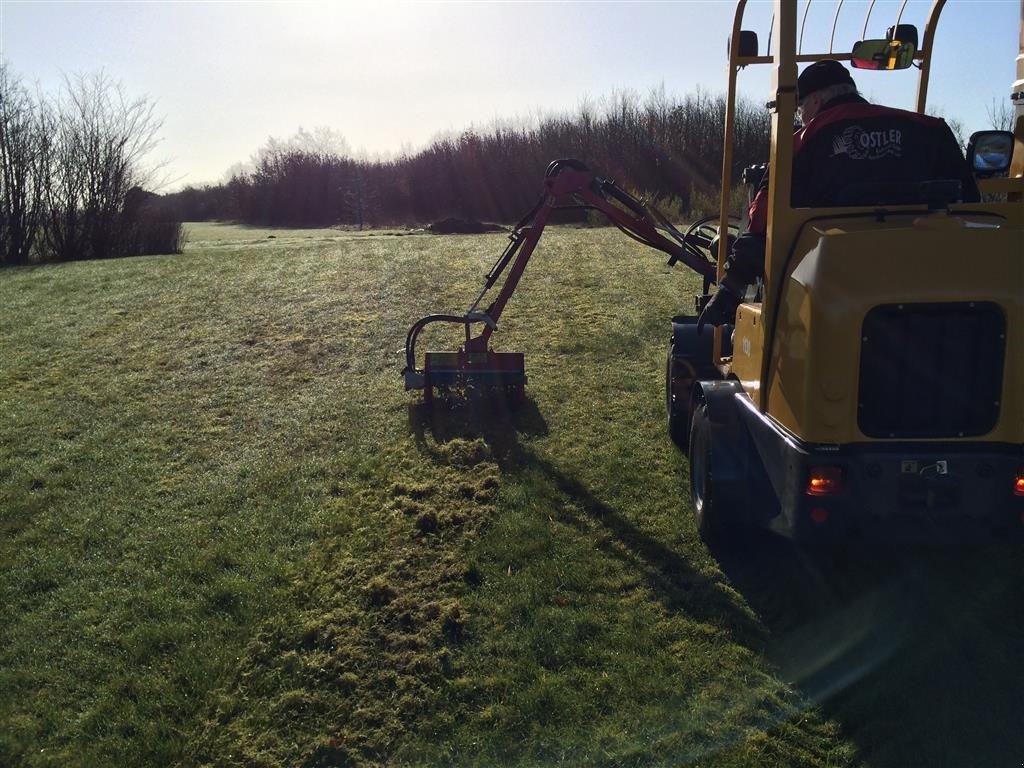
(931, 370)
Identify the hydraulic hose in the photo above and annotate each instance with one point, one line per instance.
(419, 325)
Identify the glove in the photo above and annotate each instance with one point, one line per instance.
(746, 262)
(720, 310)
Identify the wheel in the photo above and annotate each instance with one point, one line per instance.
(678, 418)
(717, 521)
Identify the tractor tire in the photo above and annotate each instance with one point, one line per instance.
(678, 419)
(718, 523)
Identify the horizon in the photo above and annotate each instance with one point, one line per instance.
(392, 78)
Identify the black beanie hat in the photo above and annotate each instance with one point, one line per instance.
(821, 74)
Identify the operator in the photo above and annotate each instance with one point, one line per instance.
(846, 151)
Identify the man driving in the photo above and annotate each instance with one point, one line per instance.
(848, 152)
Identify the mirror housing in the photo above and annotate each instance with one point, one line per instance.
(747, 46)
(905, 33)
(883, 54)
(990, 152)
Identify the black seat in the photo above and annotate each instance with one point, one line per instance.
(935, 193)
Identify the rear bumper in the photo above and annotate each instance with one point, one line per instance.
(906, 490)
(913, 492)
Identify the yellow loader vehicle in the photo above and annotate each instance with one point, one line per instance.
(876, 382)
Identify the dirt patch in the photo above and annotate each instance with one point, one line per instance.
(453, 226)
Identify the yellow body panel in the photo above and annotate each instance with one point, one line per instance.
(748, 348)
(838, 271)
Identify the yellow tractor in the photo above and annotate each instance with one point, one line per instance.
(875, 382)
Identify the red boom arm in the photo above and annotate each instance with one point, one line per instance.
(564, 180)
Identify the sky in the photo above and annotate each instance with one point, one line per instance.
(391, 76)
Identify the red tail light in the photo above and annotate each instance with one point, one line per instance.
(1018, 483)
(823, 481)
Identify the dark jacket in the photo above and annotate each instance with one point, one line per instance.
(855, 153)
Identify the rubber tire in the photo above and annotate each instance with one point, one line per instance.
(678, 423)
(712, 516)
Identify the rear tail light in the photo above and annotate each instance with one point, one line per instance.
(1018, 483)
(823, 481)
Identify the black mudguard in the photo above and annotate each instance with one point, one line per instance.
(690, 359)
(698, 348)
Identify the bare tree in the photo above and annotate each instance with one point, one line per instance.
(322, 141)
(101, 138)
(24, 166)
(1000, 114)
(359, 201)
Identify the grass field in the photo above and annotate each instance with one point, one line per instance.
(230, 538)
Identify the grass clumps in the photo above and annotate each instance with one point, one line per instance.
(464, 453)
(377, 634)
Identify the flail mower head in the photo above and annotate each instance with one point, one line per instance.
(469, 369)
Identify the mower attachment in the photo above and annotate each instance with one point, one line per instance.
(456, 371)
(475, 365)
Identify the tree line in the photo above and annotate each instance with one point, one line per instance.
(73, 177)
(73, 180)
(668, 149)
(72, 174)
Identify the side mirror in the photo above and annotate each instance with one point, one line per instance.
(883, 54)
(990, 152)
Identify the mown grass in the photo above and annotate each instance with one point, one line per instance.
(230, 538)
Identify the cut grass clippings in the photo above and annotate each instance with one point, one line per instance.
(230, 538)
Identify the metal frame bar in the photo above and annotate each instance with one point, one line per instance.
(787, 45)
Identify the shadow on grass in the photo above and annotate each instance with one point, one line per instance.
(493, 419)
(671, 577)
(917, 655)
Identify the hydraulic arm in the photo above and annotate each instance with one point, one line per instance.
(567, 184)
